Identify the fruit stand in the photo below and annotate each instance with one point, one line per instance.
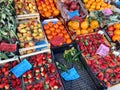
(59, 45)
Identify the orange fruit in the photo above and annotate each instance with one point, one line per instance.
(48, 14)
(117, 32)
(49, 37)
(68, 41)
(50, 24)
(39, 8)
(64, 31)
(45, 9)
(46, 26)
(54, 33)
(61, 27)
(48, 32)
(58, 31)
(56, 12)
(66, 36)
(61, 34)
(117, 25)
(116, 38)
(52, 29)
(43, 5)
(56, 26)
(59, 23)
(48, 7)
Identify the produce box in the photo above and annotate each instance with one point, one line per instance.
(43, 75)
(25, 8)
(90, 43)
(106, 69)
(56, 32)
(77, 27)
(74, 7)
(8, 38)
(86, 81)
(96, 5)
(31, 36)
(113, 31)
(47, 9)
(8, 80)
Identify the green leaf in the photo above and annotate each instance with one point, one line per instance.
(3, 55)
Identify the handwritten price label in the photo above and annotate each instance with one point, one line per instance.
(107, 12)
(8, 47)
(103, 50)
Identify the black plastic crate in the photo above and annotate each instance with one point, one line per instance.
(87, 80)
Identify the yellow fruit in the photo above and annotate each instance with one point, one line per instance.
(85, 1)
(84, 31)
(78, 32)
(94, 24)
(84, 25)
(74, 25)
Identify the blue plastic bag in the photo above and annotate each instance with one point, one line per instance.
(70, 74)
(21, 68)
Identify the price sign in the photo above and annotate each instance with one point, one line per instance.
(8, 47)
(103, 50)
(107, 12)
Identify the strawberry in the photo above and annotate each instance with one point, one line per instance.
(25, 75)
(25, 80)
(110, 71)
(30, 80)
(40, 63)
(30, 75)
(33, 89)
(35, 64)
(6, 73)
(4, 70)
(14, 63)
(2, 86)
(38, 77)
(28, 87)
(7, 86)
(44, 61)
(13, 76)
(18, 88)
(100, 75)
(6, 65)
(36, 85)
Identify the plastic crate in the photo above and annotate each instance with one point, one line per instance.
(87, 80)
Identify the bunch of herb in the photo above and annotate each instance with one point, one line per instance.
(71, 57)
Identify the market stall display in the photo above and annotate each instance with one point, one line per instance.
(106, 68)
(59, 44)
(25, 7)
(47, 8)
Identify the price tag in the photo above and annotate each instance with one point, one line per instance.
(8, 47)
(103, 50)
(21, 68)
(58, 40)
(107, 12)
(100, 32)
